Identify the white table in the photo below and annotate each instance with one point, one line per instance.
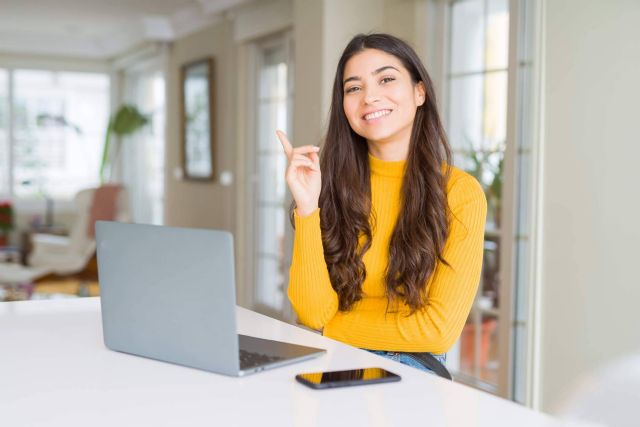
(56, 371)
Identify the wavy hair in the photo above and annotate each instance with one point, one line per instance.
(346, 217)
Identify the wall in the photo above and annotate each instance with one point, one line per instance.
(591, 202)
(203, 204)
(308, 47)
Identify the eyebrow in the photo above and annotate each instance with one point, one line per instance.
(378, 71)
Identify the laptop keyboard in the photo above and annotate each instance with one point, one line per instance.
(250, 359)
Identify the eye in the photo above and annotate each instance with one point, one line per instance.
(352, 89)
(387, 79)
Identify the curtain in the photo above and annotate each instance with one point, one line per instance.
(141, 155)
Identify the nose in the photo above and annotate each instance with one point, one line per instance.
(371, 97)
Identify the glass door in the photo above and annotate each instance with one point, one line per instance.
(490, 122)
(274, 100)
(477, 81)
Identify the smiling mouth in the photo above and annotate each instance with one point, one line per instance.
(376, 114)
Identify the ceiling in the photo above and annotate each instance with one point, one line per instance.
(100, 29)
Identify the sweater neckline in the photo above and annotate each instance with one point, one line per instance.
(394, 169)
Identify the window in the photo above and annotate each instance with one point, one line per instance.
(477, 82)
(274, 100)
(4, 133)
(142, 154)
(487, 78)
(52, 129)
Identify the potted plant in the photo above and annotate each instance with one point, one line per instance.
(126, 121)
(6, 222)
(487, 166)
(468, 347)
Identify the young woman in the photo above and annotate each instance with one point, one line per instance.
(388, 235)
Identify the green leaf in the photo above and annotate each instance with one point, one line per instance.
(126, 121)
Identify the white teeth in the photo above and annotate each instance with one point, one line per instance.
(377, 114)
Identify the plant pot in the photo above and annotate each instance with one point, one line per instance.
(467, 348)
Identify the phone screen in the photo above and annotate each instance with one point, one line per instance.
(347, 378)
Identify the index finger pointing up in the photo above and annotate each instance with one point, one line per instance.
(288, 149)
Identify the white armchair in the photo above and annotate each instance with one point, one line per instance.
(62, 255)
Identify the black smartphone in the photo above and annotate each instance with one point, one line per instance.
(320, 380)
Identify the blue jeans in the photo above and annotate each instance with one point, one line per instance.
(408, 360)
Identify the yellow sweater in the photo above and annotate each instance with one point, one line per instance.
(451, 290)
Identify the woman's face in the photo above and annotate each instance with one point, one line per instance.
(380, 99)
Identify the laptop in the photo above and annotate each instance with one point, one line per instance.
(168, 294)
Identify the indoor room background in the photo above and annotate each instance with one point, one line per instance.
(539, 99)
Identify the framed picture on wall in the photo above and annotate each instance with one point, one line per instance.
(197, 117)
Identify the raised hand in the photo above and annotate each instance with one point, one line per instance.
(303, 174)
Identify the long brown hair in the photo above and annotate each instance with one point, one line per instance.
(421, 230)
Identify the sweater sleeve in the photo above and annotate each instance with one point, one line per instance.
(310, 291)
(451, 289)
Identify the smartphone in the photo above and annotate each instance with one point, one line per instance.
(321, 380)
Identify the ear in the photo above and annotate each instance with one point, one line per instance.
(419, 93)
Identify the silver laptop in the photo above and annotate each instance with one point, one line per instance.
(169, 294)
